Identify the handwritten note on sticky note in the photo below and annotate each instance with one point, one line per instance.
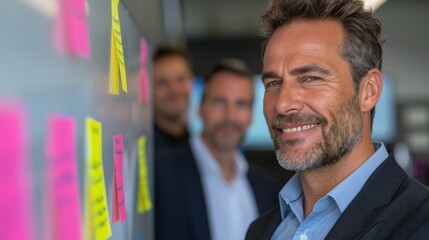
(144, 202)
(16, 213)
(114, 68)
(98, 213)
(144, 76)
(119, 212)
(62, 178)
(88, 230)
(71, 29)
(117, 53)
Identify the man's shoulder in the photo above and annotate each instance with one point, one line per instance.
(169, 159)
(265, 188)
(260, 178)
(414, 197)
(260, 173)
(164, 139)
(173, 152)
(264, 225)
(407, 215)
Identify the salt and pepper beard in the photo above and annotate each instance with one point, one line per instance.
(339, 137)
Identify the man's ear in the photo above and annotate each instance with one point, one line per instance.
(370, 89)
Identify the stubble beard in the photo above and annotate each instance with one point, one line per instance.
(338, 138)
(220, 142)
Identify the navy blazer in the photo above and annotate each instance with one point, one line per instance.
(390, 206)
(180, 206)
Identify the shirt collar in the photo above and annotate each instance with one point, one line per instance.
(347, 190)
(208, 164)
(290, 193)
(344, 192)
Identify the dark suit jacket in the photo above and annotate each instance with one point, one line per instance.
(389, 206)
(180, 207)
(163, 139)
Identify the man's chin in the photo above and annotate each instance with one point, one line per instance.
(295, 160)
(173, 117)
(227, 145)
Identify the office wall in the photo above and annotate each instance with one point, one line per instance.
(46, 82)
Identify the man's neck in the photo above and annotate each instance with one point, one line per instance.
(225, 159)
(316, 183)
(176, 128)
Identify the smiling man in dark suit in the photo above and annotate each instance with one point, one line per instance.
(322, 75)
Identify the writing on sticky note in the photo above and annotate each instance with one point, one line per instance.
(114, 68)
(144, 202)
(96, 191)
(16, 213)
(71, 29)
(117, 54)
(118, 205)
(144, 76)
(62, 178)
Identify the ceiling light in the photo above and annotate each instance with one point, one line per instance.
(373, 4)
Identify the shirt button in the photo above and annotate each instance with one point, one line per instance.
(303, 237)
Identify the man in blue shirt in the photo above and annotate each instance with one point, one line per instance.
(322, 76)
(205, 189)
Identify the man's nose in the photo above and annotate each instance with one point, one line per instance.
(230, 111)
(289, 100)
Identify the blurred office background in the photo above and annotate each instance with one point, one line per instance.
(214, 29)
(46, 82)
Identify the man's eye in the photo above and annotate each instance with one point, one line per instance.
(161, 82)
(311, 79)
(217, 102)
(272, 84)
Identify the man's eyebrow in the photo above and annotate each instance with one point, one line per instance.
(269, 74)
(311, 68)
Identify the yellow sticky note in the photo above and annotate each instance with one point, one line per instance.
(87, 217)
(144, 202)
(114, 71)
(96, 200)
(118, 55)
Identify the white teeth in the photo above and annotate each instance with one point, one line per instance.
(298, 129)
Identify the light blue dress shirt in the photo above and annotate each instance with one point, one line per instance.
(327, 209)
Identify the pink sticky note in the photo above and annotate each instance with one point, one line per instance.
(62, 178)
(115, 206)
(144, 85)
(118, 192)
(71, 29)
(16, 221)
(143, 51)
(144, 75)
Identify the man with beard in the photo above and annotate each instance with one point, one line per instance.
(172, 86)
(322, 75)
(206, 189)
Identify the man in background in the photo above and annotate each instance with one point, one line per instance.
(206, 189)
(322, 75)
(172, 86)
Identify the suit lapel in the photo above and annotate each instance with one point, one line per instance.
(194, 195)
(377, 192)
(358, 217)
(272, 224)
